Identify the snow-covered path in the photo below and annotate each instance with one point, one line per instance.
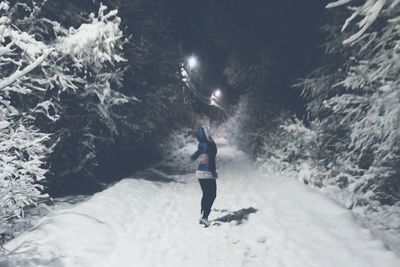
(263, 221)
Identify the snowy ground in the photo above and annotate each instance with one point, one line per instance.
(260, 220)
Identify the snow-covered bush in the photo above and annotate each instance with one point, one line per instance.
(289, 148)
(22, 154)
(250, 123)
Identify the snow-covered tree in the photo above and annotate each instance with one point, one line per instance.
(40, 60)
(22, 145)
(354, 107)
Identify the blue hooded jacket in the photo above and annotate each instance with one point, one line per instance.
(206, 147)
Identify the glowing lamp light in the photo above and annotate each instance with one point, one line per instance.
(217, 93)
(216, 98)
(192, 62)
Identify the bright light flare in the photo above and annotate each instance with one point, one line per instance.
(215, 99)
(192, 62)
(217, 93)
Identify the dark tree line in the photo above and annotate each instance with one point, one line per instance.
(151, 74)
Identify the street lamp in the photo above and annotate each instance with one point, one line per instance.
(187, 67)
(215, 99)
(217, 93)
(192, 62)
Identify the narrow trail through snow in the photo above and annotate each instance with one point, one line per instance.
(263, 221)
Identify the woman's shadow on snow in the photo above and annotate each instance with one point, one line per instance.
(239, 216)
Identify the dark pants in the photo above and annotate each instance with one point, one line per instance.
(209, 188)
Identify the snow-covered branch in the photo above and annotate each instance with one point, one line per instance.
(370, 11)
(338, 3)
(20, 73)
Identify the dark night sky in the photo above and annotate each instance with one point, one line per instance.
(287, 30)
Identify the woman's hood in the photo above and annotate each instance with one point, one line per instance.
(202, 135)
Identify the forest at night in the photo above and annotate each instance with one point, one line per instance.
(277, 123)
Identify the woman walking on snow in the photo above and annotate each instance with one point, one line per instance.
(206, 173)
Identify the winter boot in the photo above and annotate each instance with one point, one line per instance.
(205, 222)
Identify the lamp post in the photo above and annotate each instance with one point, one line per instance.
(188, 71)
